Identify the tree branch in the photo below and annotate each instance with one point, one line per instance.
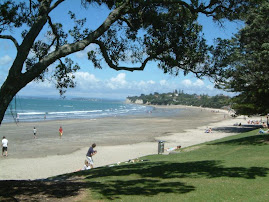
(207, 10)
(57, 37)
(56, 4)
(110, 63)
(30, 6)
(27, 43)
(74, 47)
(127, 22)
(11, 38)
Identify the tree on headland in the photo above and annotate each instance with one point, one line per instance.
(243, 63)
(135, 31)
(217, 101)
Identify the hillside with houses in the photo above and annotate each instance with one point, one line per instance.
(181, 98)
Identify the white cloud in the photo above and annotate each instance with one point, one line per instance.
(141, 83)
(189, 83)
(86, 81)
(118, 86)
(186, 82)
(142, 86)
(86, 77)
(210, 87)
(5, 60)
(146, 83)
(198, 82)
(198, 86)
(117, 82)
(151, 82)
(120, 79)
(163, 82)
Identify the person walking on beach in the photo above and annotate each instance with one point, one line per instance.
(4, 146)
(17, 118)
(34, 131)
(61, 132)
(90, 153)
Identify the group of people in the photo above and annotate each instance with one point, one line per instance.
(5, 141)
(60, 132)
(254, 122)
(263, 123)
(88, 164)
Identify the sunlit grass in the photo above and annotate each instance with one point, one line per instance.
(234, 168)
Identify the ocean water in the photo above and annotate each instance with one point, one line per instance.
(41, 109)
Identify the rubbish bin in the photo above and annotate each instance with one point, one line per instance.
(160, 147)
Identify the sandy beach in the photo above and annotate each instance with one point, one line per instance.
(118, 139)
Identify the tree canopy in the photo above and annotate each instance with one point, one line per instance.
(243, 63)
(135, 31)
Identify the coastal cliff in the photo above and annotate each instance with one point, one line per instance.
(138, 101)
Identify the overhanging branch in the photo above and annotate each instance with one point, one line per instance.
(210, 9)
(73, 47)
(56, 4)
(11, 38)
(111, 65)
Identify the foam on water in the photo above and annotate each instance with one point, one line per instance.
(39, 109)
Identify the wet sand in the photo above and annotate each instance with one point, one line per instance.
(104, 131)
(118, 139)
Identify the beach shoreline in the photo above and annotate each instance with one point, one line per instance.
(117, 143)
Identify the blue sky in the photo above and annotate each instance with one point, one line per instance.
(108, 83)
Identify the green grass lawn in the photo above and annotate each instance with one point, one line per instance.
(234, 168)
(231, 169)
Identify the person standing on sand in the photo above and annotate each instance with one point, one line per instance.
(17, 118)
(90, 153)
(61, 132)
(34, 131)
(4, 146)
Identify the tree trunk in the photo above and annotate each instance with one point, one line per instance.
(8, 90)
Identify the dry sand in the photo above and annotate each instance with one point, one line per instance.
(118, 139)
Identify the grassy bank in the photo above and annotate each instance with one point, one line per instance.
(234, 168)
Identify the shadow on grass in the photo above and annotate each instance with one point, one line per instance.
(249, 140)
(114, 189)
(237, 129)
(26, 190)
(141, 179)
(168, 170)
